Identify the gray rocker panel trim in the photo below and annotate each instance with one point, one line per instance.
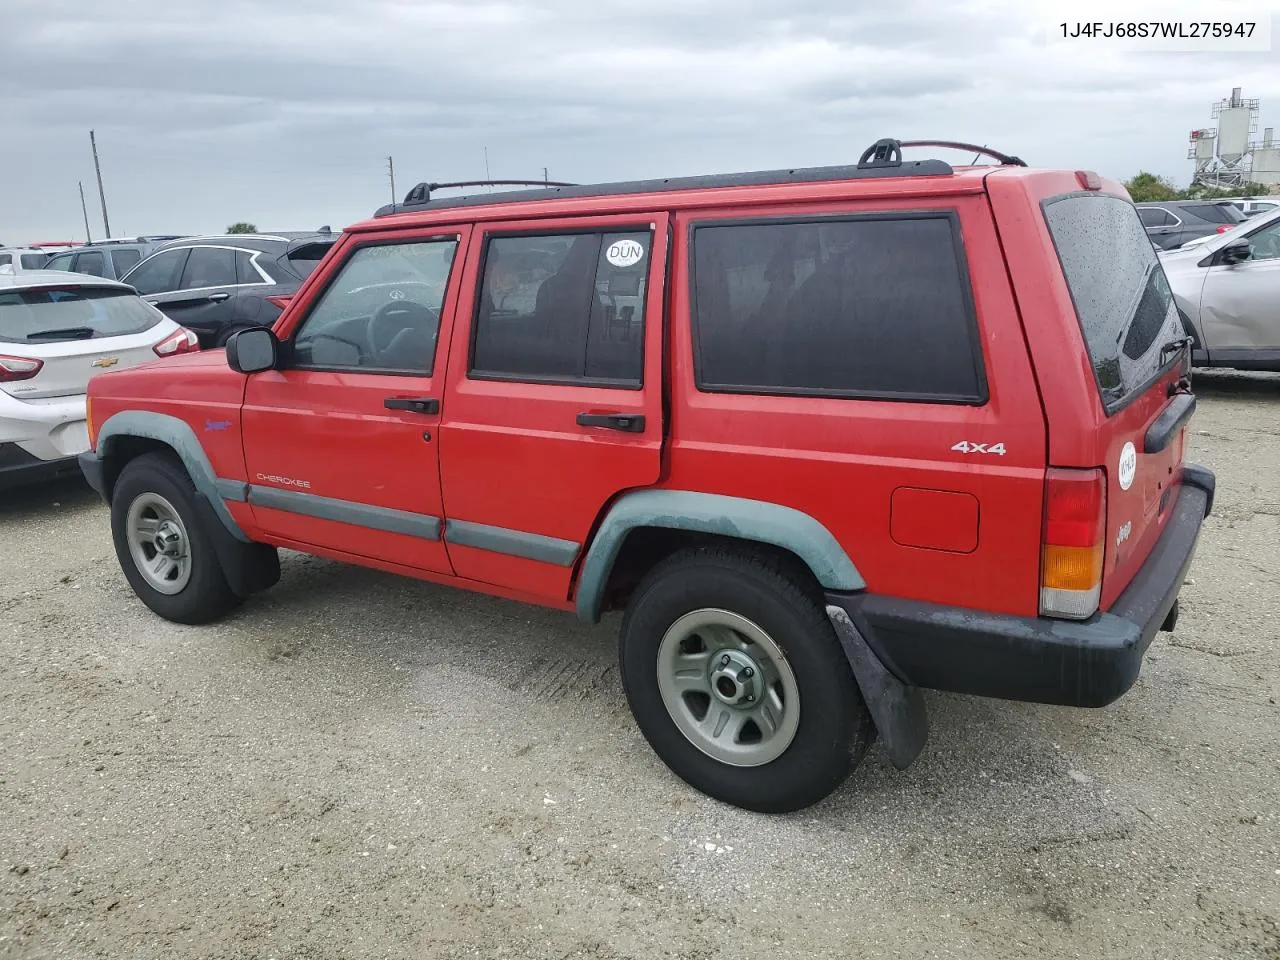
(712, 513)
(514, 543)
(179, 436)
(345, 511)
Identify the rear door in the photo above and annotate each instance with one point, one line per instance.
(1162, 227)
(553, 403)
(202, 299)
(1130, 328)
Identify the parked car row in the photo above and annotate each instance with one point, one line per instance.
(1227, 289)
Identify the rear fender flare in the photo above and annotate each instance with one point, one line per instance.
(178, 436)
(742, 519)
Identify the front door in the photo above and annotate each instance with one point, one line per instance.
(554, 397)
(341, 443)
(1240, 304)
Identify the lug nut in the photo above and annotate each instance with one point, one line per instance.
(724, 661)
(748, 672)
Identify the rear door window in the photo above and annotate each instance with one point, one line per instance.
(33, 261)
(91, 263)
(158, 274)
(1215, 212)
(209, 267)
(871, 306)
(1121, 296)
(124, 260)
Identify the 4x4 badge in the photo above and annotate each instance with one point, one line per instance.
(964, 446)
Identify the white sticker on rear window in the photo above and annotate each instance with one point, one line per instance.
(1128, 466)
(624, 253)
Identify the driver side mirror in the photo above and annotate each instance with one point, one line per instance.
(252, 351)
(1237, 251)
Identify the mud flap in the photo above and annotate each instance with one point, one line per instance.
(248, 567)
(898, 710)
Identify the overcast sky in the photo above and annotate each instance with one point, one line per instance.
(283, 112)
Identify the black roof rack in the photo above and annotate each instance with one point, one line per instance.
(882, 159)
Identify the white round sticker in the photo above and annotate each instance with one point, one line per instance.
(624, 253)
(1128, 466)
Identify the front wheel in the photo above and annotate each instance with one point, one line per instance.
(163, 549)
(737, 680)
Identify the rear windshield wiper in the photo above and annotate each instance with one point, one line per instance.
(66, 333)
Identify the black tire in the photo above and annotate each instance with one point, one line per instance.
(206, 596)
(834, 728)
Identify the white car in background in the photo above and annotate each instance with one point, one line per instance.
(1228, 292)
(57, 330)
(21, 259)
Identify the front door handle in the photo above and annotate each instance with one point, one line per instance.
(219, 297)
(626, 422)
(413, 404)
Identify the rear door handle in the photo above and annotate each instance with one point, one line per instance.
(219, 297)
(413, 404)
(626, 422)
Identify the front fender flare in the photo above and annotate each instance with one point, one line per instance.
(710, 513)
(178, 436)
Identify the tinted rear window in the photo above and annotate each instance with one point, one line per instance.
(124, 260)
(54, 315)
(1121, 296)
(33, 261)
(866, 307)
(1215, 212)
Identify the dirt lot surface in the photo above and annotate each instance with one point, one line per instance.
(357, 766)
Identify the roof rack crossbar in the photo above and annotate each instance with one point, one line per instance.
(422, 192)
(1003, 158)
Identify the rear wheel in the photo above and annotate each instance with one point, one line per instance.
(737, 680)
(163, 549)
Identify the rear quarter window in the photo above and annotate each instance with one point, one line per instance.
(1215, 212)
(874, 307)
(1118, 287)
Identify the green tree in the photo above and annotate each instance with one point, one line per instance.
(1145, 187)
(1200, 192)
(242, 227)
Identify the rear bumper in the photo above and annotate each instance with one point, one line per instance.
(1088, 663)
(19, 468)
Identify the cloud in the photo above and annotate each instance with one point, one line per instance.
(283, 112)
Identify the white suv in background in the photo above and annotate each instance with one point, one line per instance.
(58, 330)
(21, 260)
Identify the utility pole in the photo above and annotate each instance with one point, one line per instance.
(88, 238)
(106, 224)
(391, 170)
(545, 178)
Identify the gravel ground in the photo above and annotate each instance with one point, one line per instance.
(356, 765)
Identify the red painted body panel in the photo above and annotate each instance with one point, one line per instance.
(841, 460)
(1081, 434)
(195, 387)
(512, 453)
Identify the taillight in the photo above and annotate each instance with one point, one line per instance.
(1075, 523)
(280, 302)
(184, 341)
(1225, 227)
(18, 368)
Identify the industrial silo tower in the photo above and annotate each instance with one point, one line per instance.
(1224, 157)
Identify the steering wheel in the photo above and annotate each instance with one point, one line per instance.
(396, 316)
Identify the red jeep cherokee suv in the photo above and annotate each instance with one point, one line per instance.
(826, 436)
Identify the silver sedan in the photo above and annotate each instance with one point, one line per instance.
(1228, 291)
